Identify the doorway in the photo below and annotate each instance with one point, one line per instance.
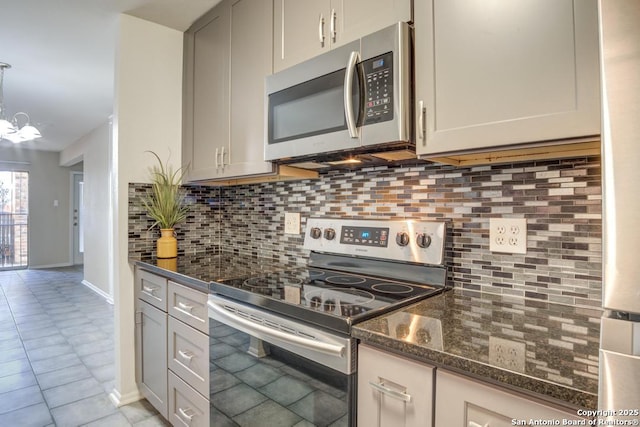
(14, 220)
(78, 217)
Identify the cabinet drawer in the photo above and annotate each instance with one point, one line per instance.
(188, 355)
(189, 306)
(186, 407)
(152, 289)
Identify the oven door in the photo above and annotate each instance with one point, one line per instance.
(274, 371)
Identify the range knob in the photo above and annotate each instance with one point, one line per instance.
(329, 234)
(315, 233)
(423, 240)
(402, 238)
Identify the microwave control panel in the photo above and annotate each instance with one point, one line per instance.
(378, 76)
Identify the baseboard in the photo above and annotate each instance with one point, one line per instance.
(119, 400)
(98, 291)
(64, 264)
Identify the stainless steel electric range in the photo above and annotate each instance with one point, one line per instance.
(283, 338)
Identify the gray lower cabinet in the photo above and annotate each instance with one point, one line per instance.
(172, 349)
(461, 401)
(393, 391)
(151, 341)
(187, 407)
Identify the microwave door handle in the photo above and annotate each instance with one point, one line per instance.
(348, 100)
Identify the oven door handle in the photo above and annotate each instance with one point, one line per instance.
(259, 329)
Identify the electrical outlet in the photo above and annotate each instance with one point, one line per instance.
(508, 235)
(507, 354)
(291, 223)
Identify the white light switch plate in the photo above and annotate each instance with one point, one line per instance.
(508, 235)
(291, 223)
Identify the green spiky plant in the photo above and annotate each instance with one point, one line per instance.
(166, 203)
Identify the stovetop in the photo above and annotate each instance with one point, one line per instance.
(339, 287)
(327, 298)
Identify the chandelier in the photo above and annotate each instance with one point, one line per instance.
(11, 129)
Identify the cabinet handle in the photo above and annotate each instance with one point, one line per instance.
(321, 30)
(216, 159)
(333, 25)
(474, 424)
(186, 355)
(187, 414)
(422, 112)
(222, 156)
(149, 290)
(390, 392)
(185, 307)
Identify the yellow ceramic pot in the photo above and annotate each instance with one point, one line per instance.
(167, 244)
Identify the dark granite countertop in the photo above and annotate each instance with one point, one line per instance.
(464, 331)
(198, 270)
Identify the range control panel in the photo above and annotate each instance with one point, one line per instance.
(415, 241)
(365, 236)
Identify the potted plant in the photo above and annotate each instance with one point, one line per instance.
(166, 205)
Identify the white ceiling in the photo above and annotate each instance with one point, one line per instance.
(62, 56)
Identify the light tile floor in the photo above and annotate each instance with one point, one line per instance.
(56, 354)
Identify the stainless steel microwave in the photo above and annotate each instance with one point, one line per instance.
(353, 99)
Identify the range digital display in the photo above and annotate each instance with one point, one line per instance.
(365, 236)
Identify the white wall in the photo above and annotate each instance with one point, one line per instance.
(49, 244)
(93, 149)
(147, 116)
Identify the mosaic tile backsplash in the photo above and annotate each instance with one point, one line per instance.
(561, 200)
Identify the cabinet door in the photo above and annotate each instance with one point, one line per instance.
(301, 31)
(251, 59)
(393, 391)
(358, 18)
(206, 104)
(151, 359)
(499, 73)
(464, 402)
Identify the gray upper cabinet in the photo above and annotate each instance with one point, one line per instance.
(502, 73)
(306, 28)
(228, 52)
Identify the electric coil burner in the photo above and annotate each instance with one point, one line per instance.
(357, 269)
